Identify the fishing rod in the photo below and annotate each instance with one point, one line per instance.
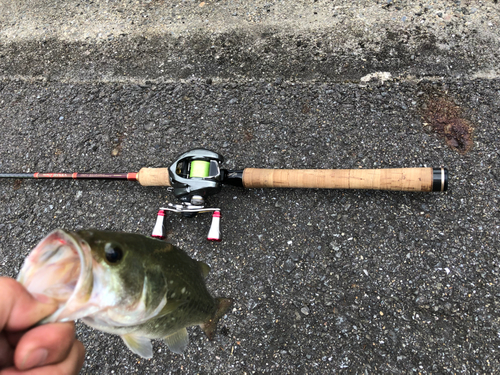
(197, 174)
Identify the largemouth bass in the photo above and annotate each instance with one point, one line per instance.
(127, 284)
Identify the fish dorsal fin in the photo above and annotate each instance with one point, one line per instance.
(140, 345)
(177, 341)
(205, 268)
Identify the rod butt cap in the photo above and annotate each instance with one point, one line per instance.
(439, 179)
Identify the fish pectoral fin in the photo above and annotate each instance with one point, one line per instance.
(177, 341)
(140, 345)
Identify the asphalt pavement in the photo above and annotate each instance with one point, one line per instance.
(324, 281)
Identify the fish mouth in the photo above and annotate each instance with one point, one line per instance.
(60, 267)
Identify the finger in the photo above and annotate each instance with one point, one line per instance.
(19, 309)
(71, 365)
(14, 337)
(44, 345)
(6, 352)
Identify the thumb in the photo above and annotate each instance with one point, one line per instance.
(19, 309)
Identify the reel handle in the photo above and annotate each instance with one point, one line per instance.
(401, 179)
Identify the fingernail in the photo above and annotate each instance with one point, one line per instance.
(43, 298)
(35, 358)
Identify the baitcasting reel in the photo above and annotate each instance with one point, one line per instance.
(195, 175)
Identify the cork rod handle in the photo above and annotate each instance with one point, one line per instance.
(402, 179)
(153, 177)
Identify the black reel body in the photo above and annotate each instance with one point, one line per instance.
(196, 173)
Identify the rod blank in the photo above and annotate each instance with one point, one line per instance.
(73, 176)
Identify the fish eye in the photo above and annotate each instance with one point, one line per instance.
(113, 252)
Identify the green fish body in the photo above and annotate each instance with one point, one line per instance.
(128, 284)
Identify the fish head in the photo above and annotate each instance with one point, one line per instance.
(96, 276)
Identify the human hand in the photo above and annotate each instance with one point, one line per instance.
(49, 349)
